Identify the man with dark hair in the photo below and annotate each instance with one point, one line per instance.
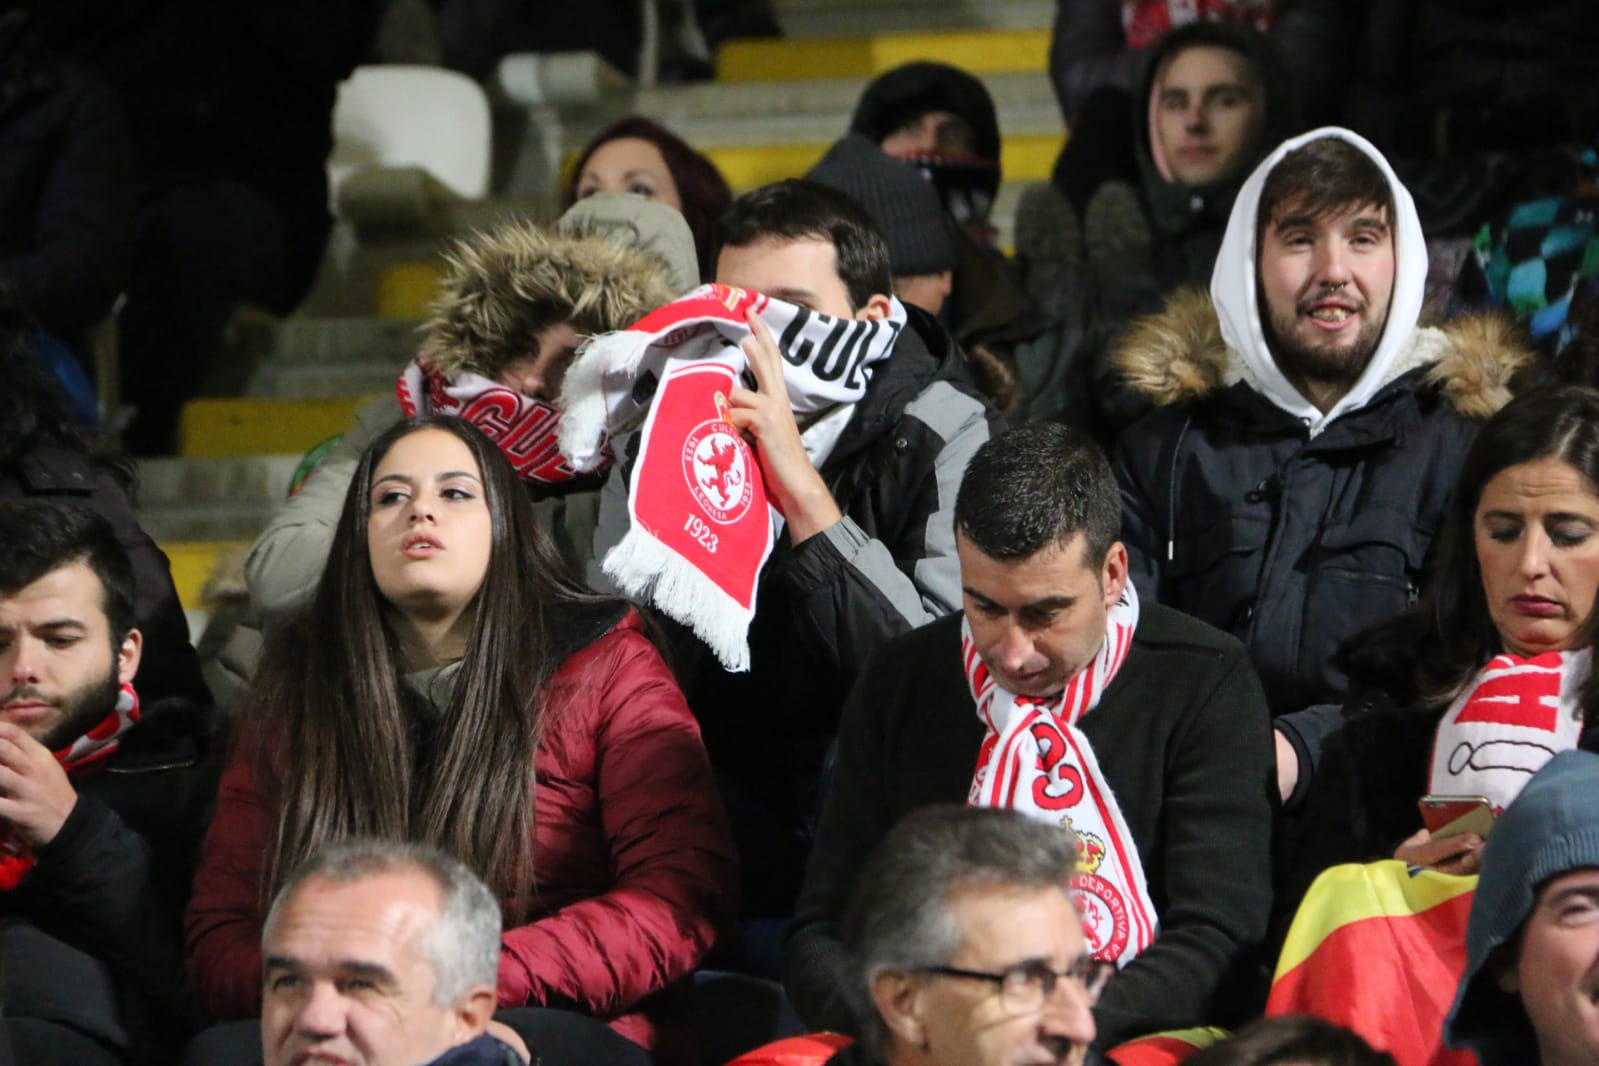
(866, 489)
(1307, 431)
(102, 801)
(967, 949)
(1141, 729)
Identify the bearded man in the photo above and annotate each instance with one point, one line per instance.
(1307, 431)
(102, 801)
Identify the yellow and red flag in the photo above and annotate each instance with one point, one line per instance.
(1164, 1049)
(1379, 948)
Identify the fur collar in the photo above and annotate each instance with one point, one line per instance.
(1178, 355)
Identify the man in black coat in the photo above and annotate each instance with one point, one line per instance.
(102, 801)
(1307, 430)
(1054, 692)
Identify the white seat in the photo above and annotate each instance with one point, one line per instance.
(399, 115)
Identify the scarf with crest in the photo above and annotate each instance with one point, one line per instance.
(699, 524)
(1516, 715)
(523, 427)
(79, 759)
(1034, 759)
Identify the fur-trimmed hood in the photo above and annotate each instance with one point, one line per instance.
(504, 285)
(1178, 355)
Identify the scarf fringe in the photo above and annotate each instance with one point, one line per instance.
(649, 571)
(586, 408)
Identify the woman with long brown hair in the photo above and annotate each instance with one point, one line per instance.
(450, 684)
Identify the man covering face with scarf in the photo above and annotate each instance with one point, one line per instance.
(862, 466)
(101, 800)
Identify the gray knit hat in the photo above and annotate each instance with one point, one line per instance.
(635, 222)
(1550, 829)
(904, 204)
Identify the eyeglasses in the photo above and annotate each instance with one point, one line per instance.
(1025, 987)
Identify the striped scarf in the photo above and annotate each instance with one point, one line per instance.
(1034, 759)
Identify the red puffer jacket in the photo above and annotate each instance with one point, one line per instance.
(635, 864)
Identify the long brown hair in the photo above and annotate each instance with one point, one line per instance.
(345, 750)
(1426, 654)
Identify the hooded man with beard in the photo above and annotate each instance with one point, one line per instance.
(102, 802)
(1307, 431)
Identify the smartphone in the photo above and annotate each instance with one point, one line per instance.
(1448, 816)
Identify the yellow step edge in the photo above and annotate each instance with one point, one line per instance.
(979, 51)
(192, 562)
(1027, 157)
(225, 428)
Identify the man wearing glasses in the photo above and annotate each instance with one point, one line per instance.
(968, 948)
(1056, 694)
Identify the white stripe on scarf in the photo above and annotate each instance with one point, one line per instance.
(827, 364)
(610, 384)
(1034, 759)
(1516, 715)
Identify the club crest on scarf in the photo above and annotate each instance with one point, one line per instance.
(1034, 759)
(700, 527)
(523, 427)
(719, 467)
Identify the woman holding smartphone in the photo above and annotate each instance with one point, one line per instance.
(1469, 692)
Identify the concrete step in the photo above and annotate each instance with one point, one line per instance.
(290, 380)
(844, 18)
(217, 428)
(979, 51)
(342, 340)
(190, 499)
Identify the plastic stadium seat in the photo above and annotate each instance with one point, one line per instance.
(400, 115)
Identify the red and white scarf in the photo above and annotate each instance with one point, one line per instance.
(83, 756)
(1146, 21)
(523, 427)
(1516, 715)
(700, 526)
(1034, 759)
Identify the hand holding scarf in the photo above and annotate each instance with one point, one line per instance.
(83, 756)
(700, 527)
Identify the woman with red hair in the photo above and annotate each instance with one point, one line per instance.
(639, 156)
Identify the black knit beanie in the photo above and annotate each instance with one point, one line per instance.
(904, 204)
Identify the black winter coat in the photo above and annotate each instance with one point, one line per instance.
(1233, 513)
(114, 881)
(825, 606)
(66, 198)
(1188, 763)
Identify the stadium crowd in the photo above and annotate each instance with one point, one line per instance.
(587, 702)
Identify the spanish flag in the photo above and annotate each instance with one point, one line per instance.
(1379, 948)
(1164, 1049)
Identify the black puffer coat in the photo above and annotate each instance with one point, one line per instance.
(1235, 514)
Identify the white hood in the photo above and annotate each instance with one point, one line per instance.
(1234, 291)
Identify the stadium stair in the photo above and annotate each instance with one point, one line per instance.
(773, 110)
